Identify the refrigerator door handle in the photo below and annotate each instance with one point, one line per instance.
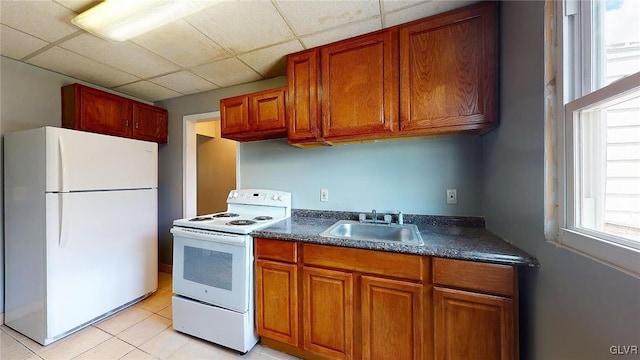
(64, 223)
(63, 166)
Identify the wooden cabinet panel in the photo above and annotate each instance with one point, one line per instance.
(328, 312)
(278, 250)
(449, 69)
(150, 123)
(473, 326)
(302, 103)
(255, 116)
(268, 111)
(396, 265)
(277, 301)
(234, 115)
(84, 108)
(392, 319)
(88, 109)
(360, 85)
(471, 275)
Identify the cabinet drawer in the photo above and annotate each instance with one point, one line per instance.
(366, 261)
(483, 277)
(277, 250)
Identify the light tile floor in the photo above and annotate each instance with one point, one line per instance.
(140, 332)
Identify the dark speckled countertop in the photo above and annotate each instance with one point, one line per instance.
(463, 238)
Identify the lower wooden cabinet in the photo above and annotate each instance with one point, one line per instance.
(277, 301)
(470, 325)
(392, 319)
(328, 307)
(328, 302)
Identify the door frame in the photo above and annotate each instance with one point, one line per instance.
(189, 163)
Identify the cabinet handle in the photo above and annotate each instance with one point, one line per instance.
(126, 123)
(136, 124)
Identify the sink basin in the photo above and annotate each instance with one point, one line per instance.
(392, 233)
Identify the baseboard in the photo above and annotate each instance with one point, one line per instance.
(165, 268)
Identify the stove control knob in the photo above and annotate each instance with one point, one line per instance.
(234, 194)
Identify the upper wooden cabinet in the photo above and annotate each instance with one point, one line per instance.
(256, 116)
(303, 107)
(449, 67)
(88, 109)
(431, 76)
(359, 86)
(150, 123)
(359, 82)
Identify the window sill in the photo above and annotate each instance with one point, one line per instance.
(617, 256)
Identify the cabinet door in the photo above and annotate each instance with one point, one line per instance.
(360, 85)
(302, 98)
(328, 312)
(277, 301)
(150, 123)
(448, 73)
(473, 326)
(234, 115)
(104, 113)
(267, 112)
(392, 320)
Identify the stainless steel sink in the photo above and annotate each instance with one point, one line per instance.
(392, 233)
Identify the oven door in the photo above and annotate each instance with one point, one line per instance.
(212, 267)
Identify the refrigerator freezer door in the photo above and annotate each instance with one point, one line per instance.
(101, 253)
(83, 161)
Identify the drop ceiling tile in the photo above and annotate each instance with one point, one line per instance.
(70, 64)
(227, 72)
(184, 82)
(308, 17)
(125, 56)
(78, 6)
(394, 5)
(43, 19)
(148, 91)
(421, 11)
(271, 61)
(16, 44)
(346, 32)
(181, 43)
(242, 26)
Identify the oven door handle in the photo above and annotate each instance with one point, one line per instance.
(231, 239)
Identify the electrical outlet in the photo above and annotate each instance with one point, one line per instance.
(452, 196)
(324, 194)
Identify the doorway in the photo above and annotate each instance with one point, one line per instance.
(210, 165)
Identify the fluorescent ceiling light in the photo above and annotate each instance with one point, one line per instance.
(120, 20)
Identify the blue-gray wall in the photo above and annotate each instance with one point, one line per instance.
(572, 307)
(411, 176)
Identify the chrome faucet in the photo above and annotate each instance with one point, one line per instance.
(374, 218)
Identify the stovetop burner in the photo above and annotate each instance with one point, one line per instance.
(225, 215)
(201, 218)
(241, 222)
(263, 218)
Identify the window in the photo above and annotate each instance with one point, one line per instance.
(600, 184)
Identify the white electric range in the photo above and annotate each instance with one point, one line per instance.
(213, 267)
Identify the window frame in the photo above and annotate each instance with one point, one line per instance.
(573, 61)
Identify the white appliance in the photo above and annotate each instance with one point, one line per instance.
(213, 267)
(80, 228)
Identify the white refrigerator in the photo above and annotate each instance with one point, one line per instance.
(80, 228)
